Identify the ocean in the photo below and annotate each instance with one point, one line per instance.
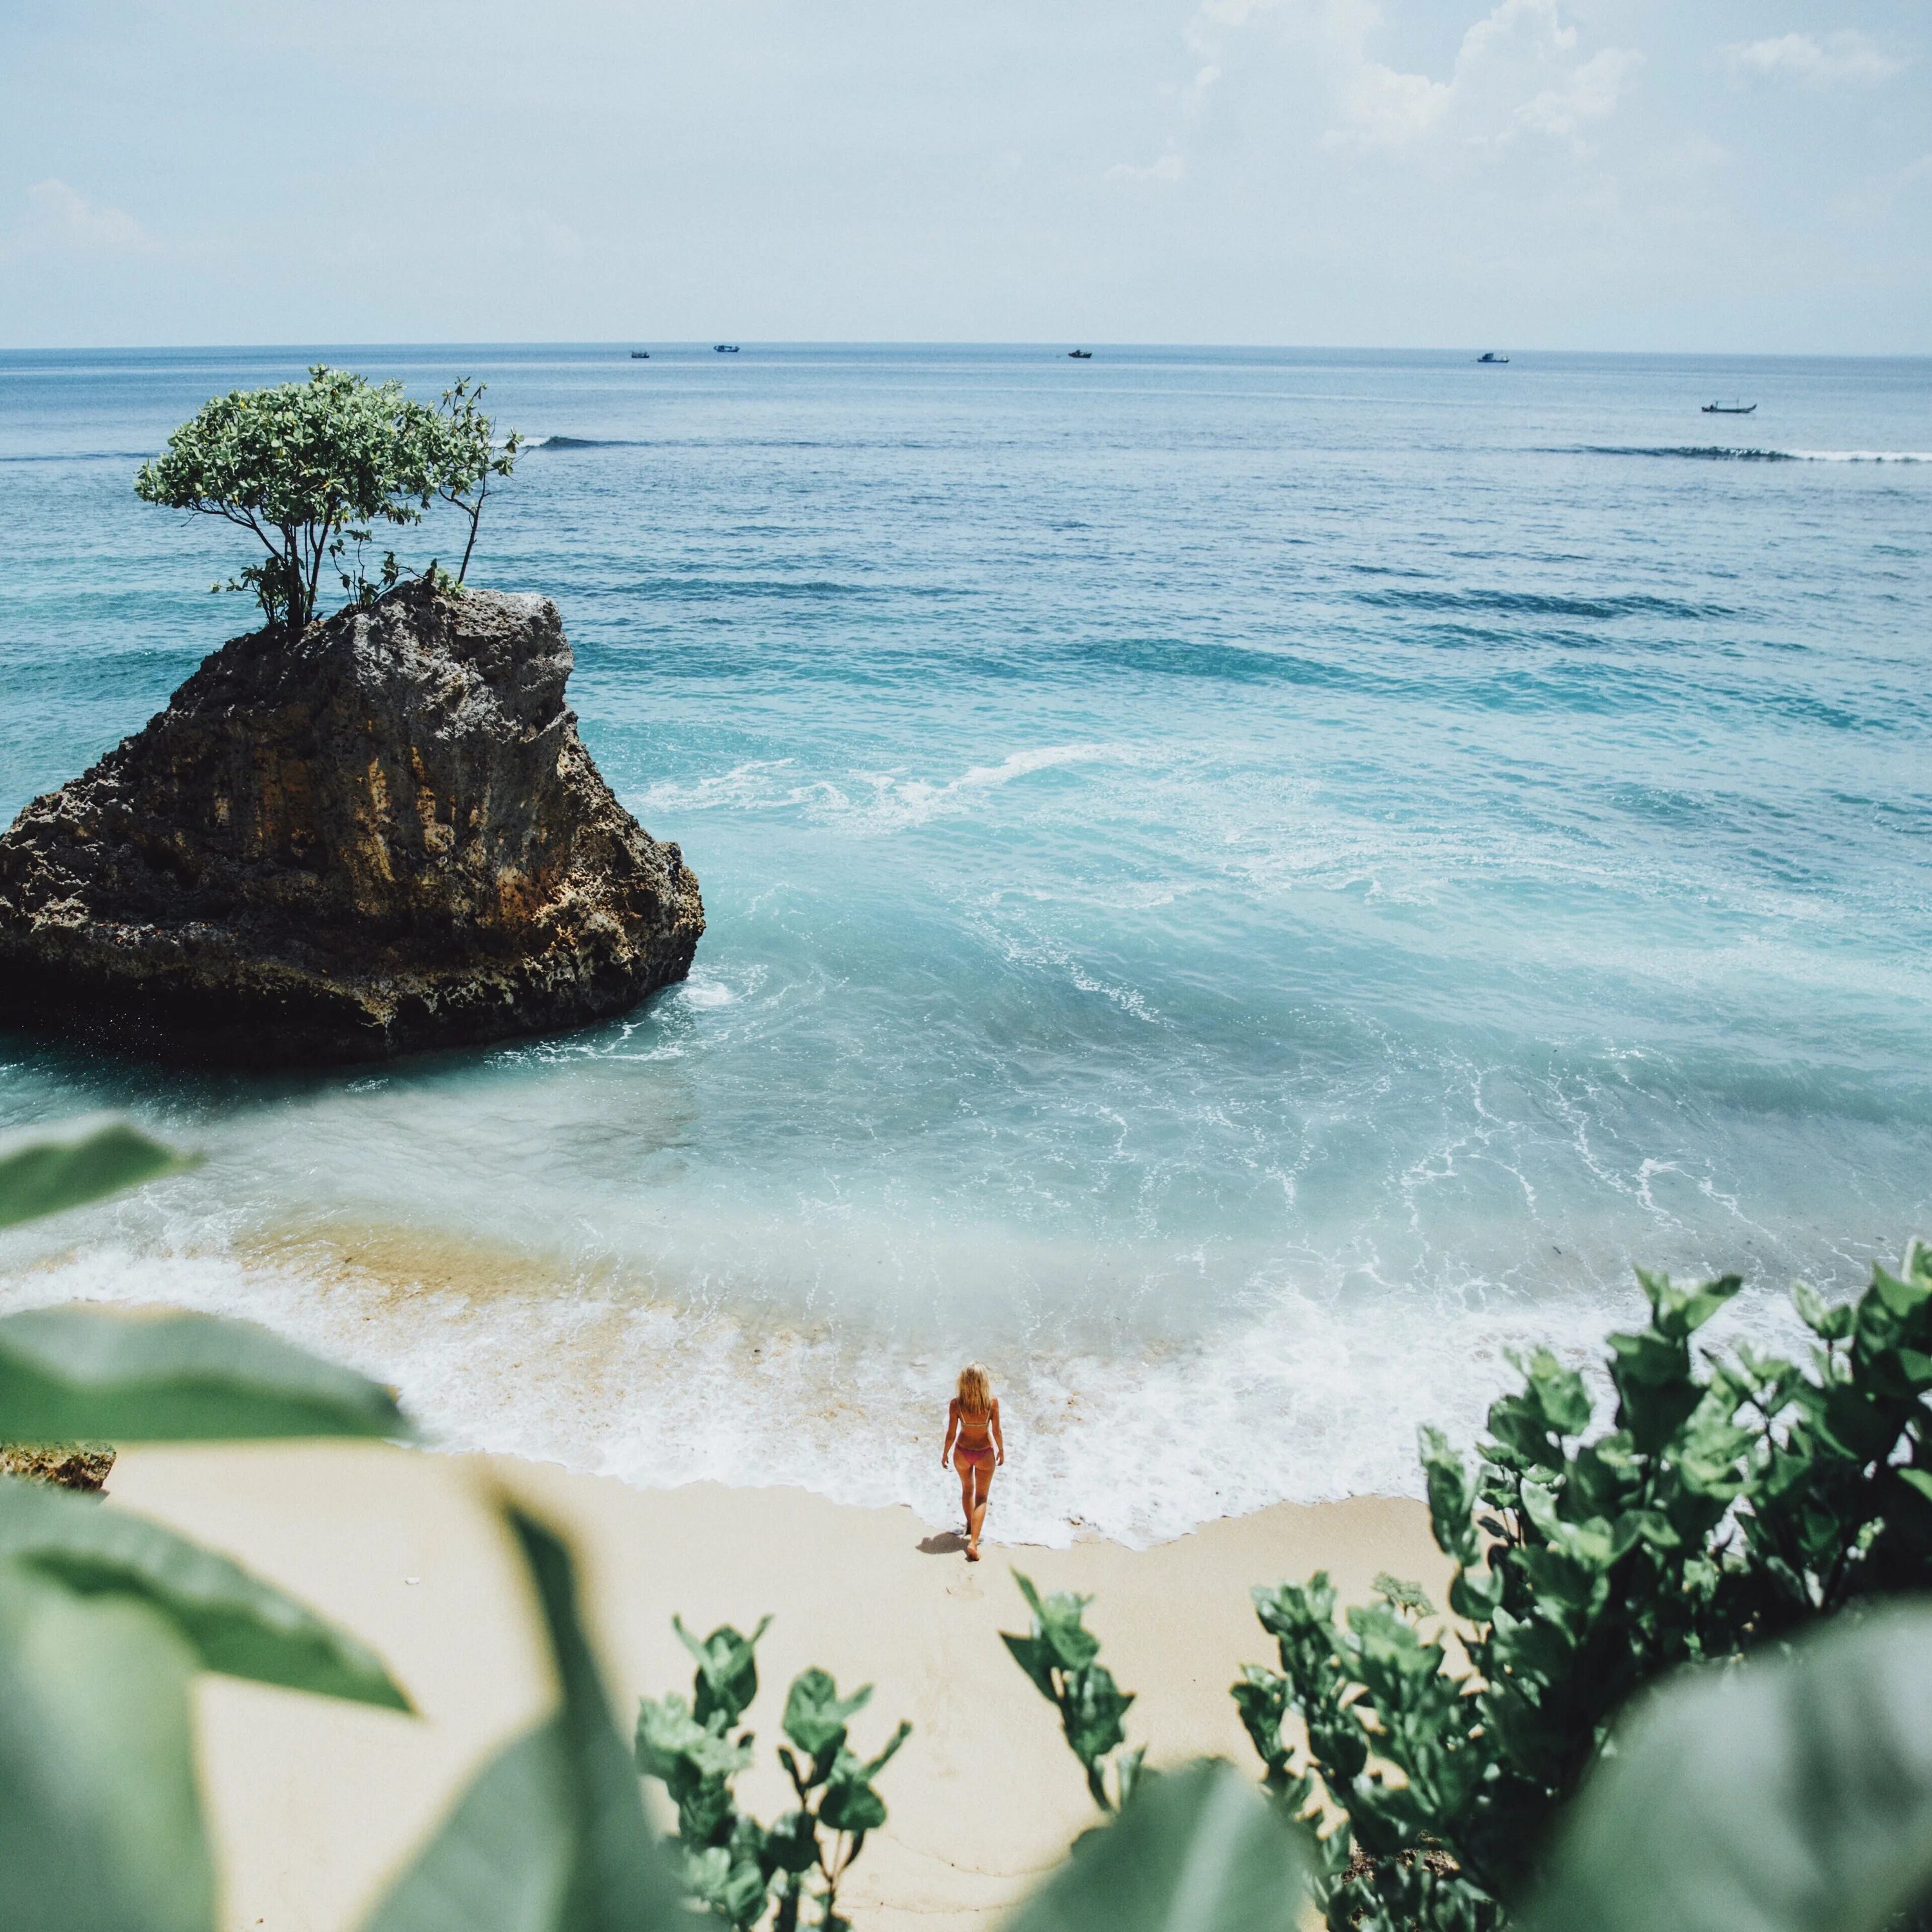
(1242, 886)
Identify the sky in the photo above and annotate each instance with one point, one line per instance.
(1742, 175)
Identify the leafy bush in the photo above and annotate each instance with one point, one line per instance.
(731, 1863)
(309, 469)
(1062, 1657)
(1720, 1510)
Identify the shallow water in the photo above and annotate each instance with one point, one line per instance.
(1240, 886)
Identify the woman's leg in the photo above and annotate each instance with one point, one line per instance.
(965, 1469)
(975, 1516)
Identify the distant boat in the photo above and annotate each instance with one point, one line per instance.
(724, 348)
(641, 356)
(1490, 355)
(1081, 355)
(1728, 408)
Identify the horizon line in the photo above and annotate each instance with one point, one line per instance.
(1042, 343)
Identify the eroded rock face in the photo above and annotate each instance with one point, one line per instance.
(383, 837)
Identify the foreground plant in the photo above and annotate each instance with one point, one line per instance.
(1791, 1792)
(1721, 1510)
(1062, 1657)
(731, 1863)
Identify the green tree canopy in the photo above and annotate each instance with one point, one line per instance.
(310, 469)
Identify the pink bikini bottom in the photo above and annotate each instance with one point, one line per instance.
(962, 1453)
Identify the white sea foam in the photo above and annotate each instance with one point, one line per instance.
(1307, 1399)
(861, 801)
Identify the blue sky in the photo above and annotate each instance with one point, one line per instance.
(1610, 174)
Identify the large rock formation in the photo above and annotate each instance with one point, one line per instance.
(383, 836)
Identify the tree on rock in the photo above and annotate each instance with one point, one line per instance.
(310, 469)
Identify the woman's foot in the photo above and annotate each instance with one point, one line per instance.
(972, 1553)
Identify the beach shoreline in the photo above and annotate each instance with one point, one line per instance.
(314, 1803)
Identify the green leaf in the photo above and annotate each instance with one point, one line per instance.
(1452, 1498)
(1829, 1324)
(79, 1374)
(100, 1830)
(551, 1837)
(851, 1803)
(1056, 1619)
(236, 1624)
(1785, 1794)
(1193, 1851)
(728, 1669)
(1409, 1598)
(47, 1174)
(815, 1714)
(672, 1745)
(1094, 1707)
(1033, 1655)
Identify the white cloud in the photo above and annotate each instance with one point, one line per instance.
(1171, 167)
(58, 217)
(1846, 58)
(1519, 69)
(1194, 95)
(1588, 94)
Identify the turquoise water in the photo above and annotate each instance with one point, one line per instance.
(1240, 885)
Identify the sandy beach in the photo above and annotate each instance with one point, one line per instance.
(315, 1802)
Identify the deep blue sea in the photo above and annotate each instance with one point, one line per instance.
(1242, 886)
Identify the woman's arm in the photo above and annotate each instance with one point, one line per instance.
(952, 1430)
(999, 1441)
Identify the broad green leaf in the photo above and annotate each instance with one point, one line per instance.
(236, 1624)
(502, 1861)
(1035, 1657)
(671, 1744)
(551, 1837)
(815, 1714)
(1193, 1851)
(851, 1803)
(100, 1827)
(1094, 1707)
(728, 1669)
(85, 1374)
(1829, 1324)
(50, 1172)
(1056, 1619)
(1452, 1498)
(1785, 1794)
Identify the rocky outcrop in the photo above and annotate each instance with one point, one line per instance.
(383, 836)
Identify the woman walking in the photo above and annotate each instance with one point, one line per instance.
(976, 1446)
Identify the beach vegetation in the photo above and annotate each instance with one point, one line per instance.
(106, 1618)
(1753, 1505)
(730, 1863)
(1062, 1657)
(1789, 1792)
(310, 470)
(1729, 1506)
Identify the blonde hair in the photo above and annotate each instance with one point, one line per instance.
(976, 1392)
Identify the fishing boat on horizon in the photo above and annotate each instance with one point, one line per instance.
(1490, 355)
(1728, 408)
(641, 356)
(1080, 355)
(724, 348)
